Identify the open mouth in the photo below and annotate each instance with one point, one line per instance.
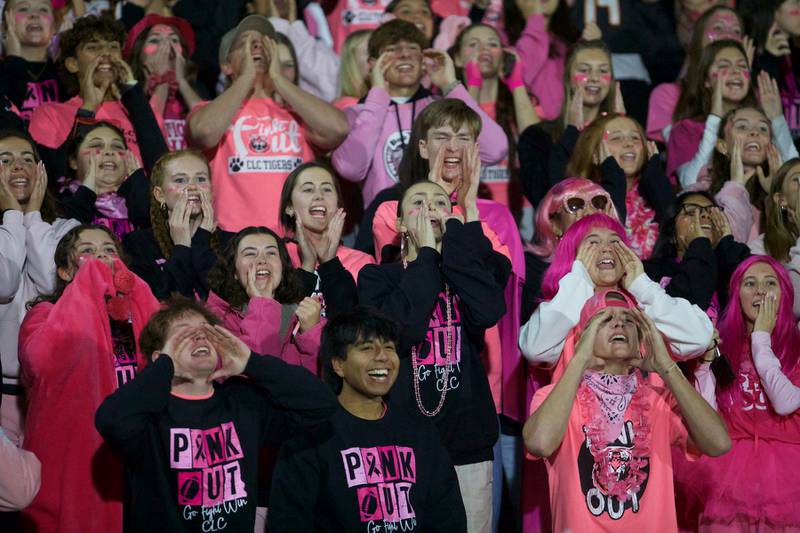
(35, 26)
(629, 156)
(201, 351)
(381, 375)
(420, 26)
(404, 68)
(318, 211)
(619, 338)
(752, 147)
(20, 182)
(737, 84)
(105, 68)
(452, 162)
(606, 264)
(593, 90)
(263, 273)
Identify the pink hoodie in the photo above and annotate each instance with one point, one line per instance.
(259, 328)
(379, 133)
(543, 75)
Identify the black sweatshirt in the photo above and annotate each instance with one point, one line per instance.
(702, 272)
(30, 84)
(351, 474)
(192, 465)
(654, 186)
(414, 297)
(336, 284)
(185, 272)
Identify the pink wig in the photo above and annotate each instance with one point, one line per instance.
(732, 327)
(567, 249)
(546, 239)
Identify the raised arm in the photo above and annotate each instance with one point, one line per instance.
(782, 393)
(209, 123)
(706, 427)
(544, 430)
(327, 125)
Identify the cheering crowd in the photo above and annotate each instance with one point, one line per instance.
(410, 265)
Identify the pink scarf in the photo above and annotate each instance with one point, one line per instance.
(613, 394)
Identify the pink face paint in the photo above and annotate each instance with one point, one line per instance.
(746, 74)
(605, 135)
(580, 78)
(794, 12)
(121, 153)
(150, 49)
(606, 78)
(178, 48)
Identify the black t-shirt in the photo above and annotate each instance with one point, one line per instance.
(30, 84)
(192, 464)
(351, 475)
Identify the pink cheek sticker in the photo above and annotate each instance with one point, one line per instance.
(794, 12)
(605, 136)
(580, 78)
(606, 78)
(121, 153)
(746, 74)
(150, 49)
(19, 17)
(178, 48)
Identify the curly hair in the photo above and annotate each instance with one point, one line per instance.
(159, 216)
(222, 278)
(84, 30)
(154, 335)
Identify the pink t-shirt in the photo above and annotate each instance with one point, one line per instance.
(578, 505)
(263, 144)
(51, 124)
(352, 15)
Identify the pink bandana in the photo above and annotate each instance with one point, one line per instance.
(613, 396)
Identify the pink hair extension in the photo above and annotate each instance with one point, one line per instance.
(567, 249)
(732, 327)
(546, 239)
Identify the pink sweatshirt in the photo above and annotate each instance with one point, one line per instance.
(51, 124)
(259, 328)
(662, 104)
(372, 151)
(543, 75)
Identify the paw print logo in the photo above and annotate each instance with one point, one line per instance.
(235, 164)
(348, 17)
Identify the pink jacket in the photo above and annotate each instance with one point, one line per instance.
(543, 75)
(372, 151)
(742, 215)
(259, 328)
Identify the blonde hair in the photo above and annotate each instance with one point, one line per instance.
(353, 83)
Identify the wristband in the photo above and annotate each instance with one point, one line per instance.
(514, 79)
(84, 113)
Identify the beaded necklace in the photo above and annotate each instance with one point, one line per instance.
(447, 351)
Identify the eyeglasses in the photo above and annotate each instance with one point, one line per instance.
(574, 204)
(695, 209)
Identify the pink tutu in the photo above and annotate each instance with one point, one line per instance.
(754, 487)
